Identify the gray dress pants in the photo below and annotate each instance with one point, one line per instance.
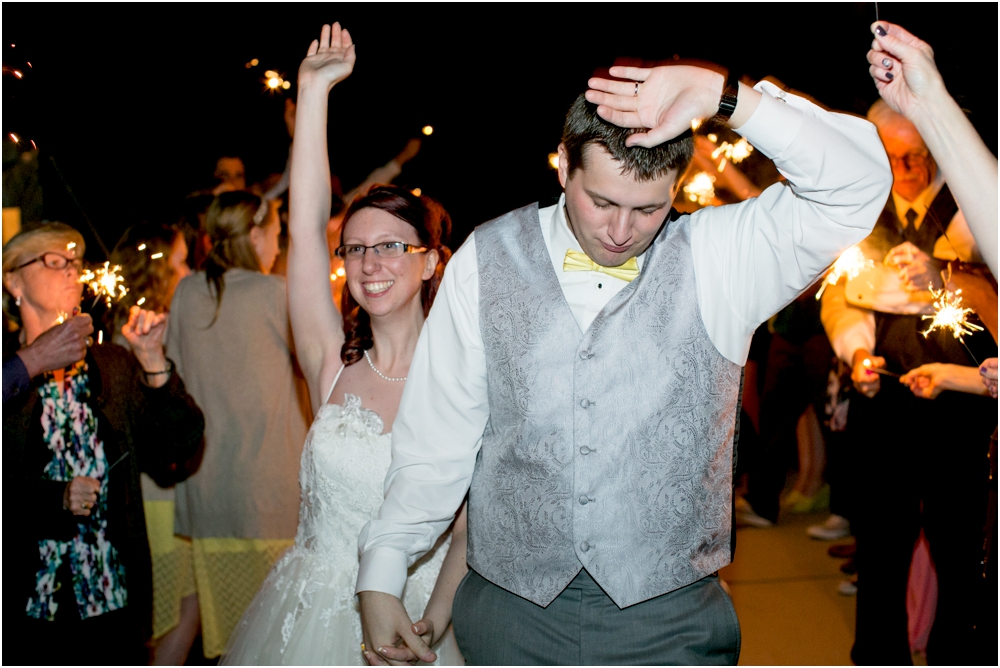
(694, 625)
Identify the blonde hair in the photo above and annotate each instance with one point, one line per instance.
(28, 244)
(228, 223)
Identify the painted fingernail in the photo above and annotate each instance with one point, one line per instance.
(888, 75)
(886, 63)
(880, 31)
(982, 369)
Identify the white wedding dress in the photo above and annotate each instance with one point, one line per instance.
(306, 612)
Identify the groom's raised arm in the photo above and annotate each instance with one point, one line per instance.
(753, 258)
(437, 433)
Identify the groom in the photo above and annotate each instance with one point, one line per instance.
(579, 377)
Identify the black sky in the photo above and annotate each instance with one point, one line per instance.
(135, 101)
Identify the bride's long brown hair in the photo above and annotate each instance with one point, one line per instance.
(433, 226)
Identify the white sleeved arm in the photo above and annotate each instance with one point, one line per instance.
(848, 327)
(436, 435)
(753, 258)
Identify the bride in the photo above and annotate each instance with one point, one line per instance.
(306, 612)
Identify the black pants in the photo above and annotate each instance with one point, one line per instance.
(114, 638)
(795, 377)
(922, 464)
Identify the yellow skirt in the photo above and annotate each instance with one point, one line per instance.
(173, 577)
(228, 572)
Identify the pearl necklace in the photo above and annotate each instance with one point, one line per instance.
(382, 375)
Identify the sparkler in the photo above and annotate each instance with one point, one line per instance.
(867, 363)
(950, 315)
(105, 282)
(700, 189)
(735, 153)
(851, 263)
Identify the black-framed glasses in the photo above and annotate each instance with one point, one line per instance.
(54, 261)
(386, 249)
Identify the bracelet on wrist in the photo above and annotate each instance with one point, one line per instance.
(729, 98)
(169, 369)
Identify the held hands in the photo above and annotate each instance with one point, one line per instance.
(669, 98)
(390, 637)
(330, 59)
(58, 347)
(917, 270)
(867, 382)
(81, 495)
(903, 68)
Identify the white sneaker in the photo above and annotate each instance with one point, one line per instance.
(747, 517)
(847, 588)
(834, 528)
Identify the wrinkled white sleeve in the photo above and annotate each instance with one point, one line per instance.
(753, 258)
(436, 435)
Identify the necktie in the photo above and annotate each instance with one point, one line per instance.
(911, 217)
(577, 261)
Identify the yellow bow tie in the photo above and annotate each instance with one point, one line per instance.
(577, 261)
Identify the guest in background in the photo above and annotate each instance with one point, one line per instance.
(77, 580)
(229, 335)
(153, 260)
(903, 68)
(230, 174)
(877, 317)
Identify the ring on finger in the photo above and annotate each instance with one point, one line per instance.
(90, 341)
(636, 94)
(886, 63)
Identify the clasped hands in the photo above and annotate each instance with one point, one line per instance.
(390, 637)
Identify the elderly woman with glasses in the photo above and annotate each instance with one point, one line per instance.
(77, 581)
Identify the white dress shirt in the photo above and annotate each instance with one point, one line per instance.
(750, 260)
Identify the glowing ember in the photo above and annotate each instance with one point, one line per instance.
(142, 247)
(695, 124)
(554, 160)
(428, 130)
(141, 301)
(100, 337)
(70, 246)
(105, 282)
(949, 314)
(61, 318)
(417, 191)
(851, 263)
(156, 256)
(700, 189)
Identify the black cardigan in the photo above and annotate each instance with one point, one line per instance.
(162, 429)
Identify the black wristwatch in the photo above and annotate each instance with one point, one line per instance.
(730, 96)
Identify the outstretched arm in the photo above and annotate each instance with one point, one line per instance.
(908, 80)
(316, 323)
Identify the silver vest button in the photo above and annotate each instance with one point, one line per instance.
(584, 546)
(585, 403)
(584, 450)
(584, 500)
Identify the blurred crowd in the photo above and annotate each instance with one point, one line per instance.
(151, 454)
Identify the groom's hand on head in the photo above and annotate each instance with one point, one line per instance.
(389, 637)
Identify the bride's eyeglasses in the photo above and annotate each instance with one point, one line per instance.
(386, 249)
(54, 261)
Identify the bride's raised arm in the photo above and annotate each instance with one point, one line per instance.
(316, 323)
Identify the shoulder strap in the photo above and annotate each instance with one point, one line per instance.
(334, 384)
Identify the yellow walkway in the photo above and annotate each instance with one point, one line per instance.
(784, 586)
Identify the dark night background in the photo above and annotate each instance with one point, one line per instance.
(136, 101)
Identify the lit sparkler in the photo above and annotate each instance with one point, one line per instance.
(701, 188)
(851, 263)
(950, 315)
(735, 153)
(554, 160)
(105, 282)
(867, 363)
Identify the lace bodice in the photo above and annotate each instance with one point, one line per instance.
(343, 468)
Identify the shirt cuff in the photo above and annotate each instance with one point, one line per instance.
(774, 123)
(382, 569)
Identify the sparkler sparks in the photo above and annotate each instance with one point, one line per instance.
(735, 153)
(105, 282)
(851, 263)
(701, 188)
(950, 315)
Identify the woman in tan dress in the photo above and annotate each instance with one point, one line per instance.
(229, 336)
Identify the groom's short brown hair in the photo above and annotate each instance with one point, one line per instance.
(583, 126)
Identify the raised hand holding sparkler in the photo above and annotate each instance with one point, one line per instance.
(144, 332)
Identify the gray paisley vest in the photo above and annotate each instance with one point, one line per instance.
(610, 449)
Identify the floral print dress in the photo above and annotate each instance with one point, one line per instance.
(69, 430)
